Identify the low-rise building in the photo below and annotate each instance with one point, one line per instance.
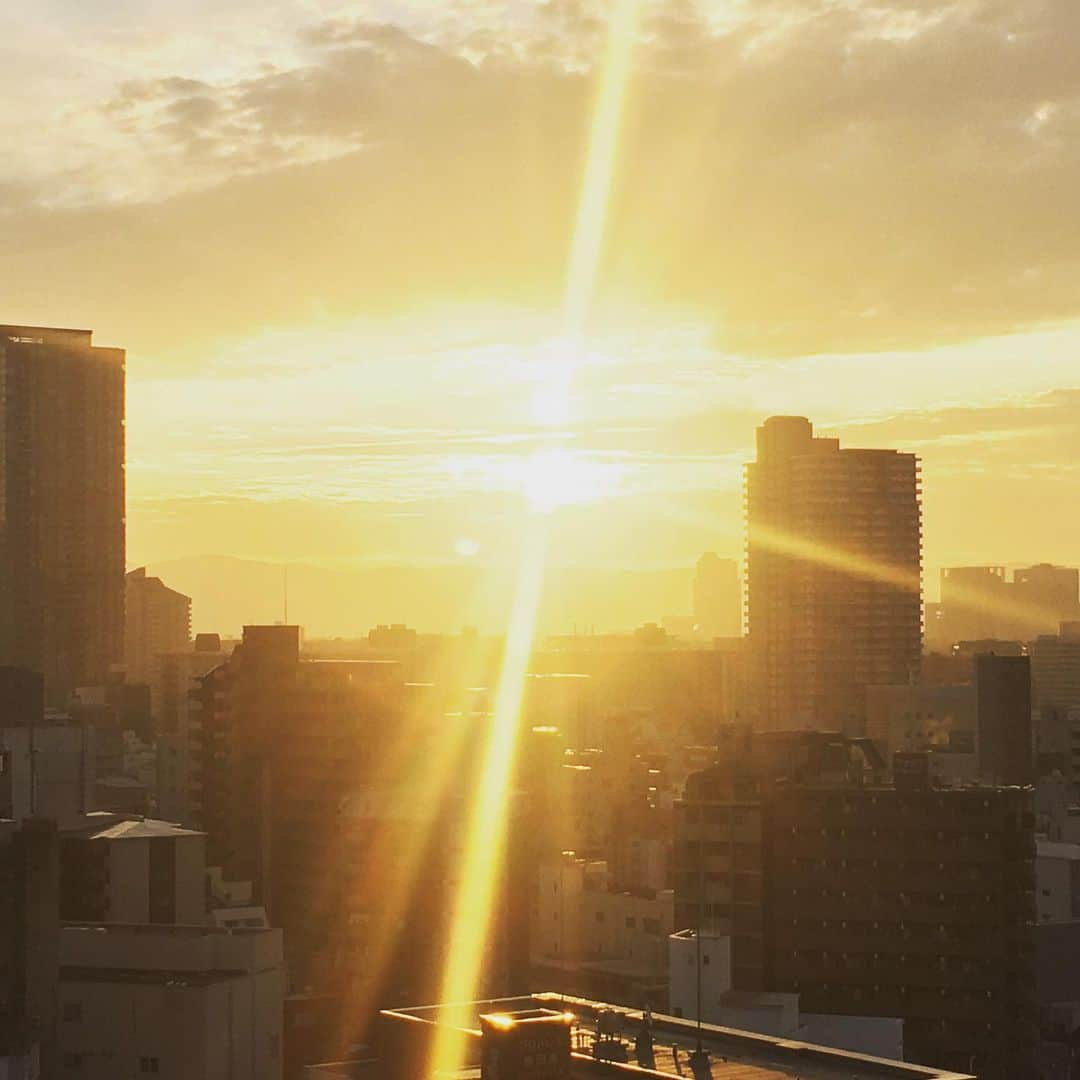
(587, 935)
(183, 1002)
(132, 870)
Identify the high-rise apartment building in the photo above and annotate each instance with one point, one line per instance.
(174, 680)
(834, 565)
(1047, 596)
(61, 506)
(279, 745)
(349, 811)
(717, 597)
(980, 603)
(1055, 671)
(157, 620)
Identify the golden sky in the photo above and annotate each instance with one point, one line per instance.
(335, 239)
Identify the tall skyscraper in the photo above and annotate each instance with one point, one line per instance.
(61, 506)
(834, 565)
(157, 621)
(717, 596)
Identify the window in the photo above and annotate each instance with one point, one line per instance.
(599, 916)
(72, 1012)
(148, 1065)
(631, 922)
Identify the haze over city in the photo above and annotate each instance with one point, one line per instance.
(334, 239)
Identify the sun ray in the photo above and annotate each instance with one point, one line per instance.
(482, 861)
(382, 856)
(595, 200)
(865, 567)
(487, 826)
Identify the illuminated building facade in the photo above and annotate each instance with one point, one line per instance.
(61, 506)
(834, 564)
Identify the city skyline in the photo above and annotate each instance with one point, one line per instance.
(345, 364)
(538, 539)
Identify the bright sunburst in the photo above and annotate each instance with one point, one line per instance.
(548, 479)
(553, 478)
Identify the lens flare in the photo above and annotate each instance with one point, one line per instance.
(483, 858)
(861, 566)
(480, 870)
(595, 200)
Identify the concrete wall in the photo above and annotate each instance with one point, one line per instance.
(224, 1030)
(879, 1036)
(170, 948)
(190, 880)
(129, 881)
(576, 916)
(715, 975)
(171, 994)
(64, 765)
(1057, 873)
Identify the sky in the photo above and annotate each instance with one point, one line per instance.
(335, 238)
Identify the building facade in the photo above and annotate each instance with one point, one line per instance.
(157, 620)
(1005, 739)
(717, 597)
(834, 559)
(865, 899)
(181, 1002)
(1055, 671)
(279, 744)
(61, 506)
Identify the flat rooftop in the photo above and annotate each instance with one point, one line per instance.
(58, 337)
(733, 1054)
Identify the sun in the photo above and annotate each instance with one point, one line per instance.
(550, 479)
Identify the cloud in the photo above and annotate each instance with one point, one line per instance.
(811, 175)
(1022, 436)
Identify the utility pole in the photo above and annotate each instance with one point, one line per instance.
(699, 1060)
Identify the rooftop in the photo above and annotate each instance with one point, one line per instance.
(733, 1054)
(105, 826)
(1052, 849)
